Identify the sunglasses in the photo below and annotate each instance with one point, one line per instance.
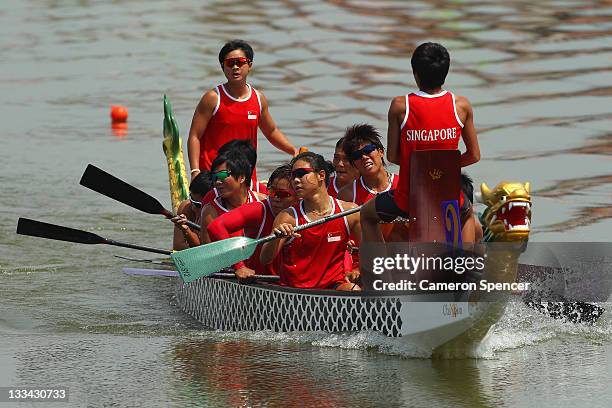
(272, 193)
(196, 204)
(240, 61)
(221, 175)
(367, 149)
(301, 172)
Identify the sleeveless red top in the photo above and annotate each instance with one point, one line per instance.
(431, 122)
(232, 119)
(316, 258)
(333, 189)
(363, 194)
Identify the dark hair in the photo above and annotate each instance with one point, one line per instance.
(244, 147)
(317, 162)
(281, 172)
(356, 135)
(467, 186)
(202, 183)
(237, 164)
(339, 142)
(236, 45)
(431, 62)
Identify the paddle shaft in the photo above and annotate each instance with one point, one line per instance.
(40, 229)
(106, 184)
(311, 224)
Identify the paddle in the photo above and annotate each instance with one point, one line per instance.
(106, 184)
(34, 228)
(194, 263)
(220, 275)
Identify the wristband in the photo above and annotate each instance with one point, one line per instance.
(194, 170)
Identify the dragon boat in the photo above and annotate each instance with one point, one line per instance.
(441, 323)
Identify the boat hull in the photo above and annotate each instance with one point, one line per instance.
(425, 320)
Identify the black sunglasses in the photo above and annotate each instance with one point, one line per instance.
(367, 149)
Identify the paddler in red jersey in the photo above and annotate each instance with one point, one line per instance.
(365, 152)
(190, 210)
(230, 111)
(313, 258)
(430, 119)
(245, 148)
(256, 219)
(344, 174)
(231, 176)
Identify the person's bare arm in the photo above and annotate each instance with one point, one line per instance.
(208, 216)
(397, 111)
(355, 227)
(271, 132)
(468, 133)
(182, 233)
(201, 117)
(283, 224)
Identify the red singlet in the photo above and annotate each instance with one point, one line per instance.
(431, 122)
(316, 258)
(363, 194)
(333, 189)
(218, 205)
(212, 194)
(232, 119)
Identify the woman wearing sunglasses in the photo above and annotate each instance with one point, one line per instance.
(256, 219)
(230, 111)
(231, 176)
(365, 152)
(314, 258)
(190, 210)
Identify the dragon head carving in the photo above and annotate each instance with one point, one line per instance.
(507, 217)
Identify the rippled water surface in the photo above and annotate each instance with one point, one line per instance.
(537, 73)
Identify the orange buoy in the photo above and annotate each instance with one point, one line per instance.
(119, 113)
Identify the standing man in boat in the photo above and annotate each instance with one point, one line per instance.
(344, 174)
(256, 219)
(234, 110)
(429, 119)
(190, 210)
(231, 176)
(314, 258)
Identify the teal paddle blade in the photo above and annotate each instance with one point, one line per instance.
(204, 260)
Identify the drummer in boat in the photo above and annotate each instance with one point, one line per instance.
(190, 210)
(231, 175)
(429, 119)
(232, 111)
(257, 219)
(314, 257)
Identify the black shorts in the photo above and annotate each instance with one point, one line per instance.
(387, 210)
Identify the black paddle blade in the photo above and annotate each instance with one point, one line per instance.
(34, 228)
(575, 312)
(106, 184)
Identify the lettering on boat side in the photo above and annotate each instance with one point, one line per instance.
(452, 310)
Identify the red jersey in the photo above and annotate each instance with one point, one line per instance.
(316, 258)
(218, 205)
(431, 122)
(333, 189)
(232, 119)
(256, 219)
(363, 194)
